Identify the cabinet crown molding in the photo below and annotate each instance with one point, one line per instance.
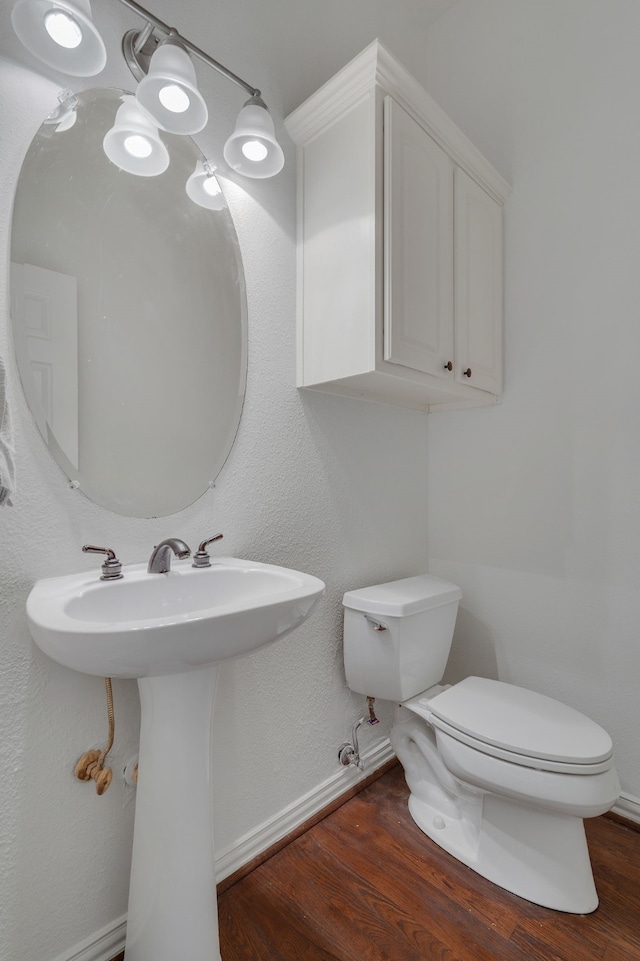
(376, 67)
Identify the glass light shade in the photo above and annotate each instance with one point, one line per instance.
(78, 48)
(252, 148)
(133, 143)
(169, 92)
(203, 188)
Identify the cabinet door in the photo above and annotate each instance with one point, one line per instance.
(418, 321)
(478, 285)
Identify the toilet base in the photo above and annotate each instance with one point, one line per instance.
(539, 855)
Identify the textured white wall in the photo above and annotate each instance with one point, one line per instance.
(533, 506)
(327, 485)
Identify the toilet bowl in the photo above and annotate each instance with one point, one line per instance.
(500, 777)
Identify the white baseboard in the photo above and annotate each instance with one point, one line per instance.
(628, 807)
(101, 946)
(107, 943)
(255, 842)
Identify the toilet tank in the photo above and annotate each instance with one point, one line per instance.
(397, 636)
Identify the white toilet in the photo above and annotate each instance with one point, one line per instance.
(500, 777)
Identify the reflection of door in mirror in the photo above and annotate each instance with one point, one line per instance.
(45, 303)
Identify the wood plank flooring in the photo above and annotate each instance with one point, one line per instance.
(365, 884)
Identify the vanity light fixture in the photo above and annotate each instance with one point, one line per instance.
(133, 143)
(252, 148)
(61, 34)
(159, 57)
(203, 188)
(169, 92)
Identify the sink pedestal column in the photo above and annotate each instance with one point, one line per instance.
(172, 899)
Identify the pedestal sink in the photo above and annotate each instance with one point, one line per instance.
(170, 631)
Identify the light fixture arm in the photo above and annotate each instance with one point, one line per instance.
(135, 40)
(142, 36)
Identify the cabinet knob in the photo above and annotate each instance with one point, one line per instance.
(448, 366)
(467, 372)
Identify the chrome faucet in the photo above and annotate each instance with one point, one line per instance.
(160, 560)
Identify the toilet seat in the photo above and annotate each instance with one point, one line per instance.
(517, 725)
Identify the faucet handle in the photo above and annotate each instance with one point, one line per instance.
(201, 557)
(112, 568)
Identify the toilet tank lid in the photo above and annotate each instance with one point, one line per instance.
(410, 595)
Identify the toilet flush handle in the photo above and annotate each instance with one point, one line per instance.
(376, 625)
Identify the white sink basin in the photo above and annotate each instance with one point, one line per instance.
(147, 625)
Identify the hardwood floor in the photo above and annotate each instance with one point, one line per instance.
(365, 884)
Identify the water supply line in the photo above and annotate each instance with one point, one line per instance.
(372, 719)
(91, 765)
(349, 752)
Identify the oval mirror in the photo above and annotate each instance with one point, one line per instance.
(129, 315)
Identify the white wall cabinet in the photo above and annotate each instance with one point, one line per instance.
(399, 245)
